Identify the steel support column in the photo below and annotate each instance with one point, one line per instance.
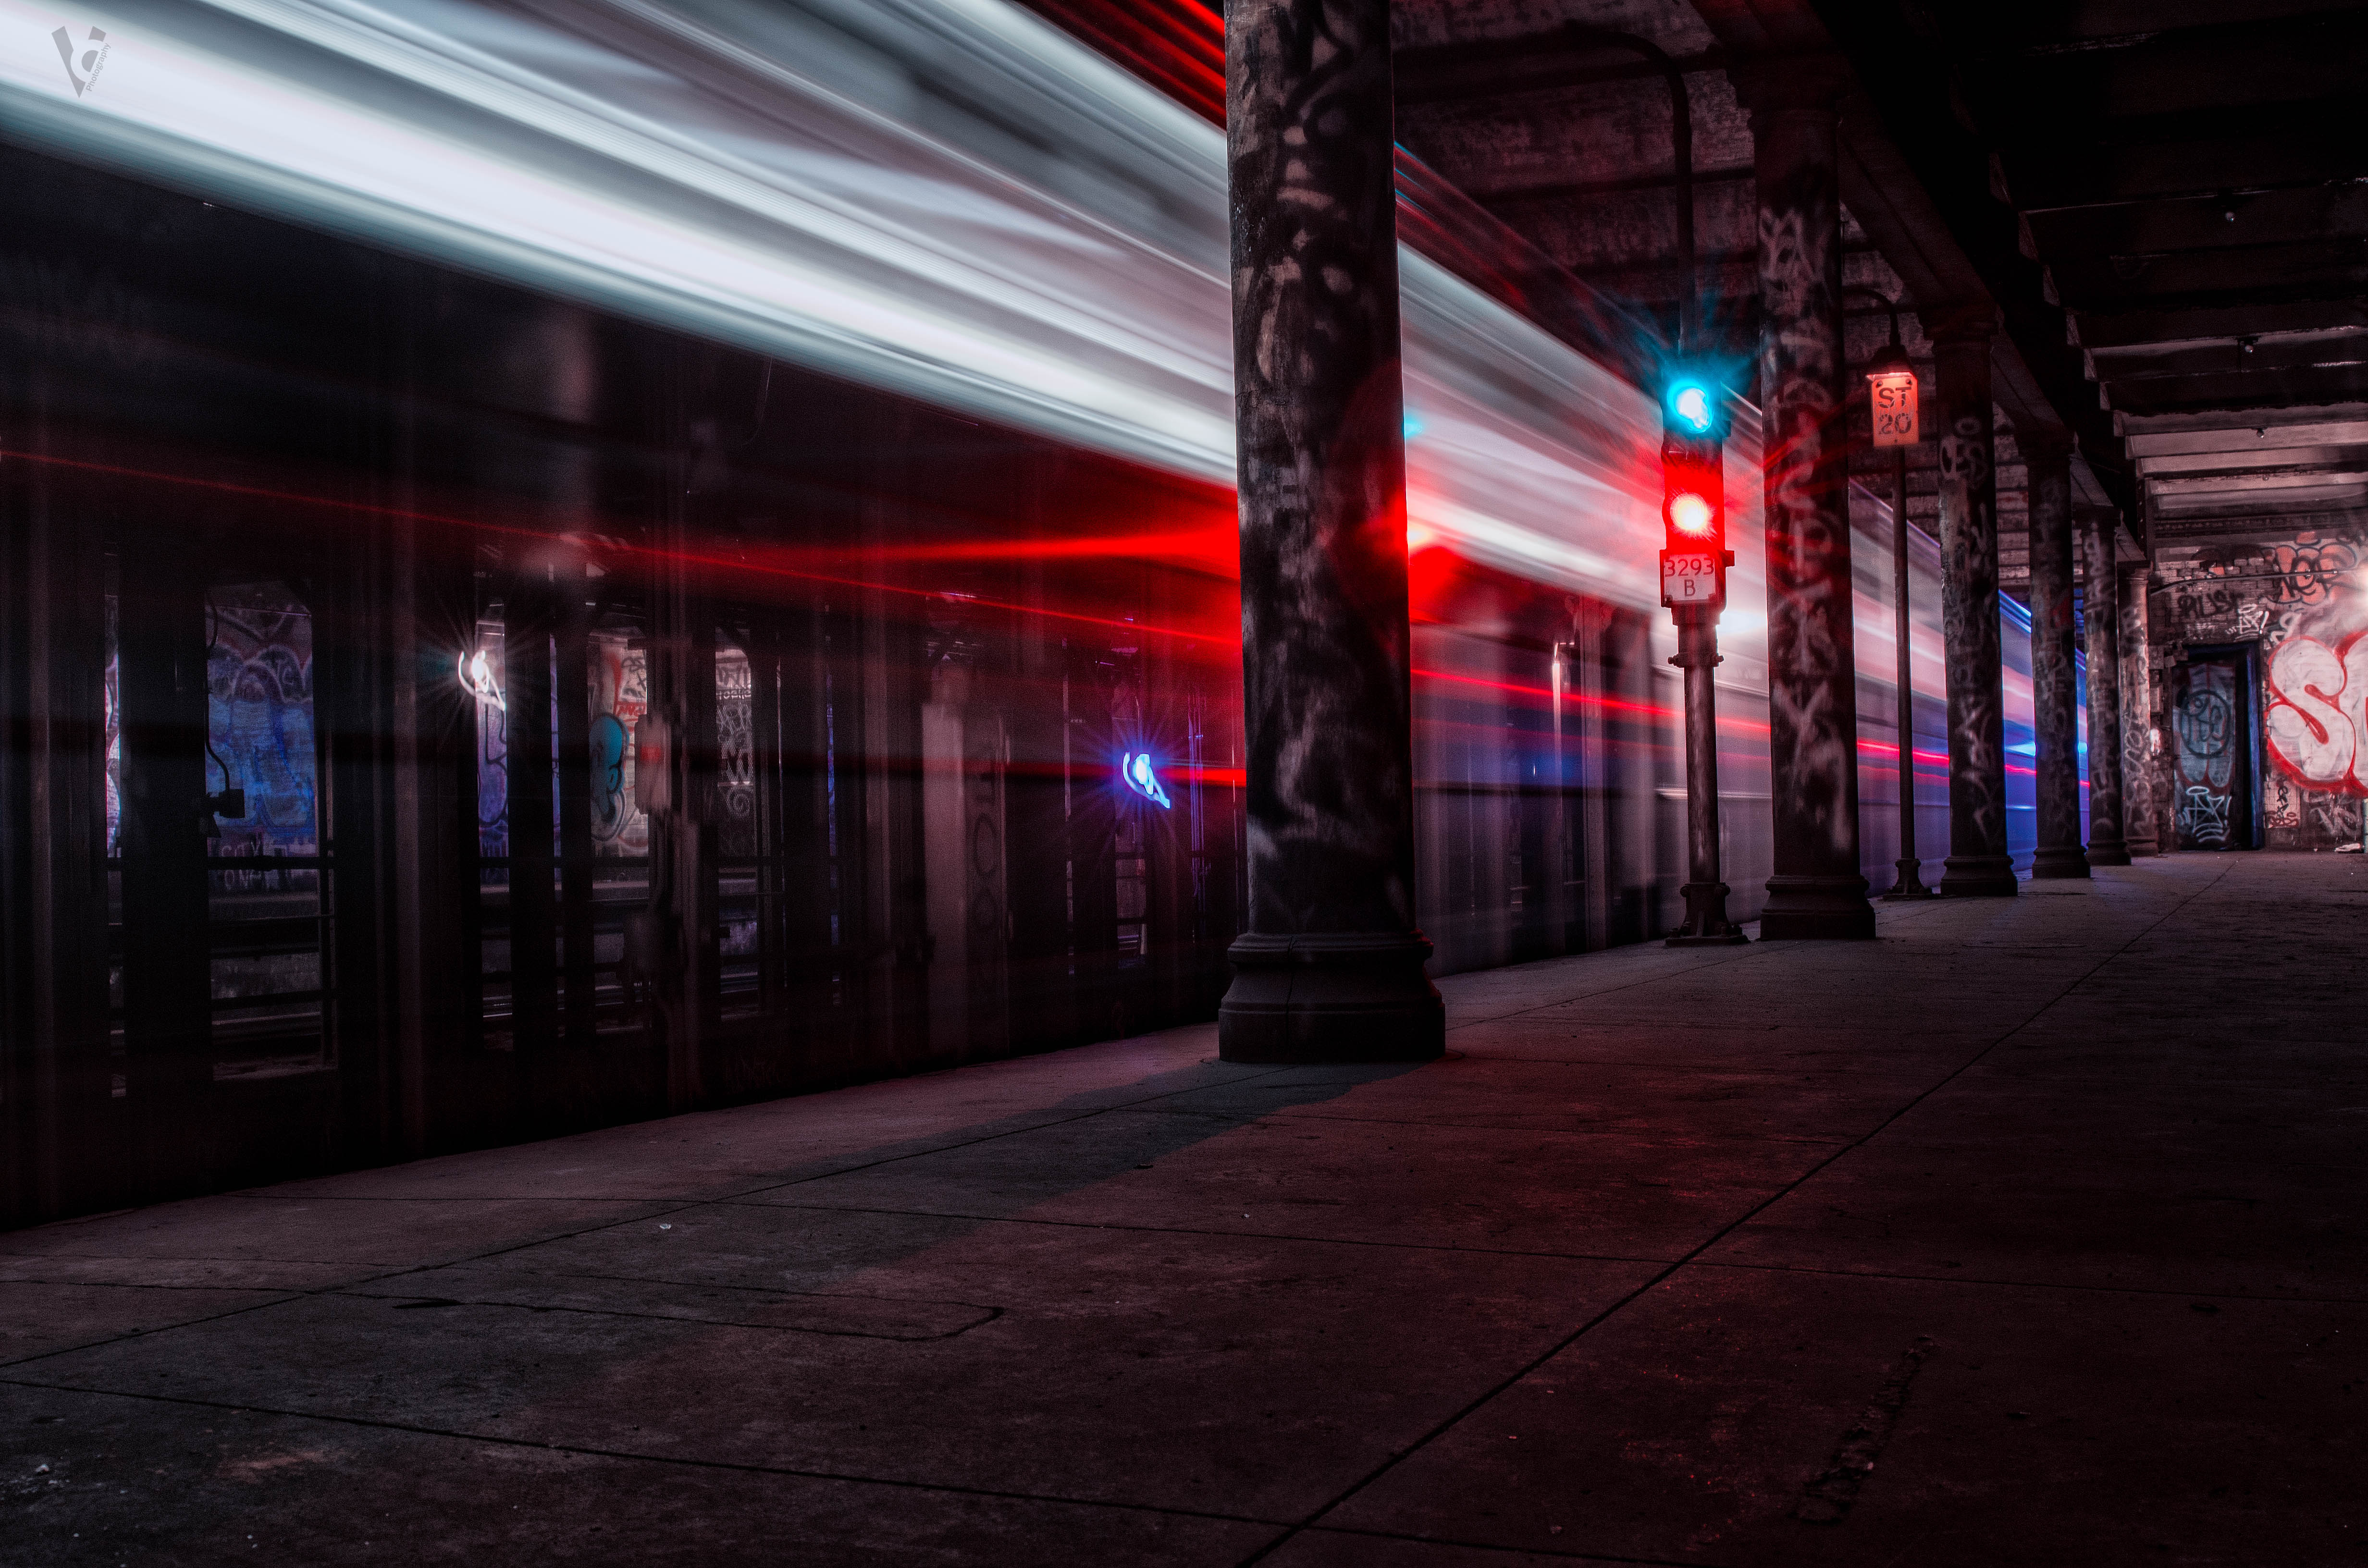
(1330, 968)
(1818, 890)
(1978, 864)
(2054, 683)
(2102, 622)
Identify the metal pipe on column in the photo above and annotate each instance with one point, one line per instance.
(1978, 864)
(1818, 890)
(2055, 686)
(1331, 967)
(1894, 361)
(2102, 622)
(1910, 884)
(2142, 814)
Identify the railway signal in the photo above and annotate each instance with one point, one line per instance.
(1694, 558)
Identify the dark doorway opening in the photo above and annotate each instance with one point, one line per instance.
(2215, 747)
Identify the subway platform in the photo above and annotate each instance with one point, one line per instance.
(2034, 1231)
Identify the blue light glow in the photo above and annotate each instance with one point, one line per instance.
(1134, 769)
(1690, 403)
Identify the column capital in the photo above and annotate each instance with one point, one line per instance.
(2044, 443)
(1956, 323)
(1778, 84)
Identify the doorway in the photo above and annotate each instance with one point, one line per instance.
(2216, 739)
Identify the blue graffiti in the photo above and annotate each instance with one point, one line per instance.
(1134, 769)
(610, 807)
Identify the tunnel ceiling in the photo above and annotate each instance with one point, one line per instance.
(2187, 181)
(2164, 203)
(1567, 140)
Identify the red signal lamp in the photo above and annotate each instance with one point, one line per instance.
(1692, 515)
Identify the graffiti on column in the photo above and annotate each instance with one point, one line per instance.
(1811, 694)
(2141, 817)
(1970, 604)
(2054, 684)
(1322, 476)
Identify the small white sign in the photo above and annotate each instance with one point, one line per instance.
(1688, 577)
(1894, 398)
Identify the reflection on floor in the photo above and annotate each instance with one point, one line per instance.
(2030, 1232)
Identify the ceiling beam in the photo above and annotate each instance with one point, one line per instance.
(2228, 355)
(2276, 460)
(2227, 439)
(2238, 62)
(2315, 387)
(2052, 24)
(2323, 269)
(2072, 163)
(2198, 323)
(2205, 222)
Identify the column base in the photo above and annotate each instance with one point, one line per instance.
(2138, 849)
(2057, 863)
(1817, 909)
(1910, 885)
(1331, 996)
(1978, 876)
(1706, 923)
(2107, 852)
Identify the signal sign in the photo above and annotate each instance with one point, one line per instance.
(1892, 395)
(1692, 577)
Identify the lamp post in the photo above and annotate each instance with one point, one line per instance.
(1892, 406)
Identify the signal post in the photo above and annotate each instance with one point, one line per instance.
(1694, 560)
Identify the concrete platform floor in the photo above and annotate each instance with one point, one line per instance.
(2032, 1232)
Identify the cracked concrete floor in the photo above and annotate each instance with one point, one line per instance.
(2030, 1233)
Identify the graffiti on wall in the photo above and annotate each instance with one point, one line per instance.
(493, 756)
(2254, 582)
(620, 695)
(735, 751)
(259, 716)
(2301, 603)
(2318, 729)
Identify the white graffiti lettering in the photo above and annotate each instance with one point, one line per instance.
(2317, 720)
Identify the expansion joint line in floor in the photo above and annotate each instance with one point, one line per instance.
(1475, 1405)
(281, 1296)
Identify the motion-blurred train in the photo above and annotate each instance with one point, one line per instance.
(857, 371)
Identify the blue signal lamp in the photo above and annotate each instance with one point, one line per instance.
(1135, 770)
(1694, 406)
